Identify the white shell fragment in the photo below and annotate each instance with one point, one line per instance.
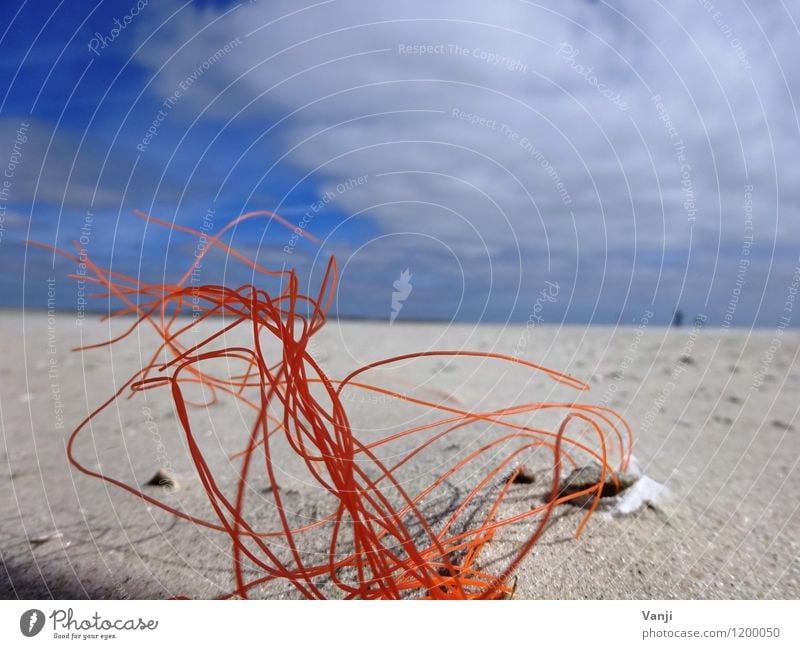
(645, 491)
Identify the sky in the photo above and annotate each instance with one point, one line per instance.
(509, 161)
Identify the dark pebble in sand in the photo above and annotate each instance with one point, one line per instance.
(44, 538)
(782, 424)
(589, 476)
(525, 476)
(686, 360)
(163, 478)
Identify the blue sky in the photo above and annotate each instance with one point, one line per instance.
(636, 154)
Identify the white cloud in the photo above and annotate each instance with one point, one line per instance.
(347, 101)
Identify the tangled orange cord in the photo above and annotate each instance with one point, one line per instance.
(381, 545)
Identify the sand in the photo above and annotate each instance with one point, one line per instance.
(714, 413)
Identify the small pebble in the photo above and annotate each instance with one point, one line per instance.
(163, 478)
(525, 476)
(44, 538)
(589, 476)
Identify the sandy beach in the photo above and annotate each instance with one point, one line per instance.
(714, 417)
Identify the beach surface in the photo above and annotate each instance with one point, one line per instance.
(714, 416)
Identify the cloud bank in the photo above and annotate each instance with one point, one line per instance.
(634, 152)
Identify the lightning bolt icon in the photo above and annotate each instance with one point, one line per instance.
(32, 621)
